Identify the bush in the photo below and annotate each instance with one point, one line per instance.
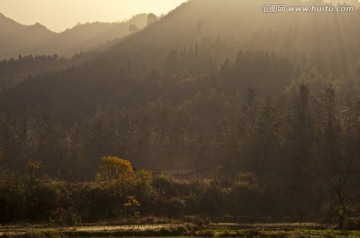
(353, 223)
(62, 217)
(197, 220)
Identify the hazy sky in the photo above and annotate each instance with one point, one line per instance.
(58, 15)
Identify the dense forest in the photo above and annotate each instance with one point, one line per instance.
(268, 119)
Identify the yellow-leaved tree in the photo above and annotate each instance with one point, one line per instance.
(115, 171)
(131, 206)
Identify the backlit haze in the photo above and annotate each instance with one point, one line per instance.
(59, 15)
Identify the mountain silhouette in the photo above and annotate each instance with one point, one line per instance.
(16, 39)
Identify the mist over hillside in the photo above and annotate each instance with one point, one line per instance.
(229, 46)
(244, 26)
(17, 39)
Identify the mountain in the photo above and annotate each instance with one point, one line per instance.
(8, 26)
(90, 36)
(264, 105)
(16, 39)
(201, 37)
(245, 22)
(168, 93)
(243, 25)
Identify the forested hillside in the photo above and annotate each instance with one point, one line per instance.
(264, 106)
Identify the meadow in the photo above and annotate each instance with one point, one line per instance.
(178, 230)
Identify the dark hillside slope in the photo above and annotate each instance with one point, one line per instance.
(205, 33)
(168, 96)
(264, 106)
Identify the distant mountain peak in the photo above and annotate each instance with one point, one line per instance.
(39, 28)
(3, 17)
(22, 39)
(38, 25)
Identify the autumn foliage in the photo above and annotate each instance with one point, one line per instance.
(115, 171)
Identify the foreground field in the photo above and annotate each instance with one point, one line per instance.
(177, 230)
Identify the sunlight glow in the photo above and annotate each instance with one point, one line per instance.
(58, 15)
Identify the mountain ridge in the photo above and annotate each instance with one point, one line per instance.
(38, 39)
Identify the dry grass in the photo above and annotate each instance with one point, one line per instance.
(137, 230)
(172, 230)
(121, 227)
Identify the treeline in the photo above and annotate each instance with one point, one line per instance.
(301, 151)
(120, 193)
(268, 136)
(14, 71)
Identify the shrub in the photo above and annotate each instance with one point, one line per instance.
(63, 217)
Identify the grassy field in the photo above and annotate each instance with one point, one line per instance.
(177, 230)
